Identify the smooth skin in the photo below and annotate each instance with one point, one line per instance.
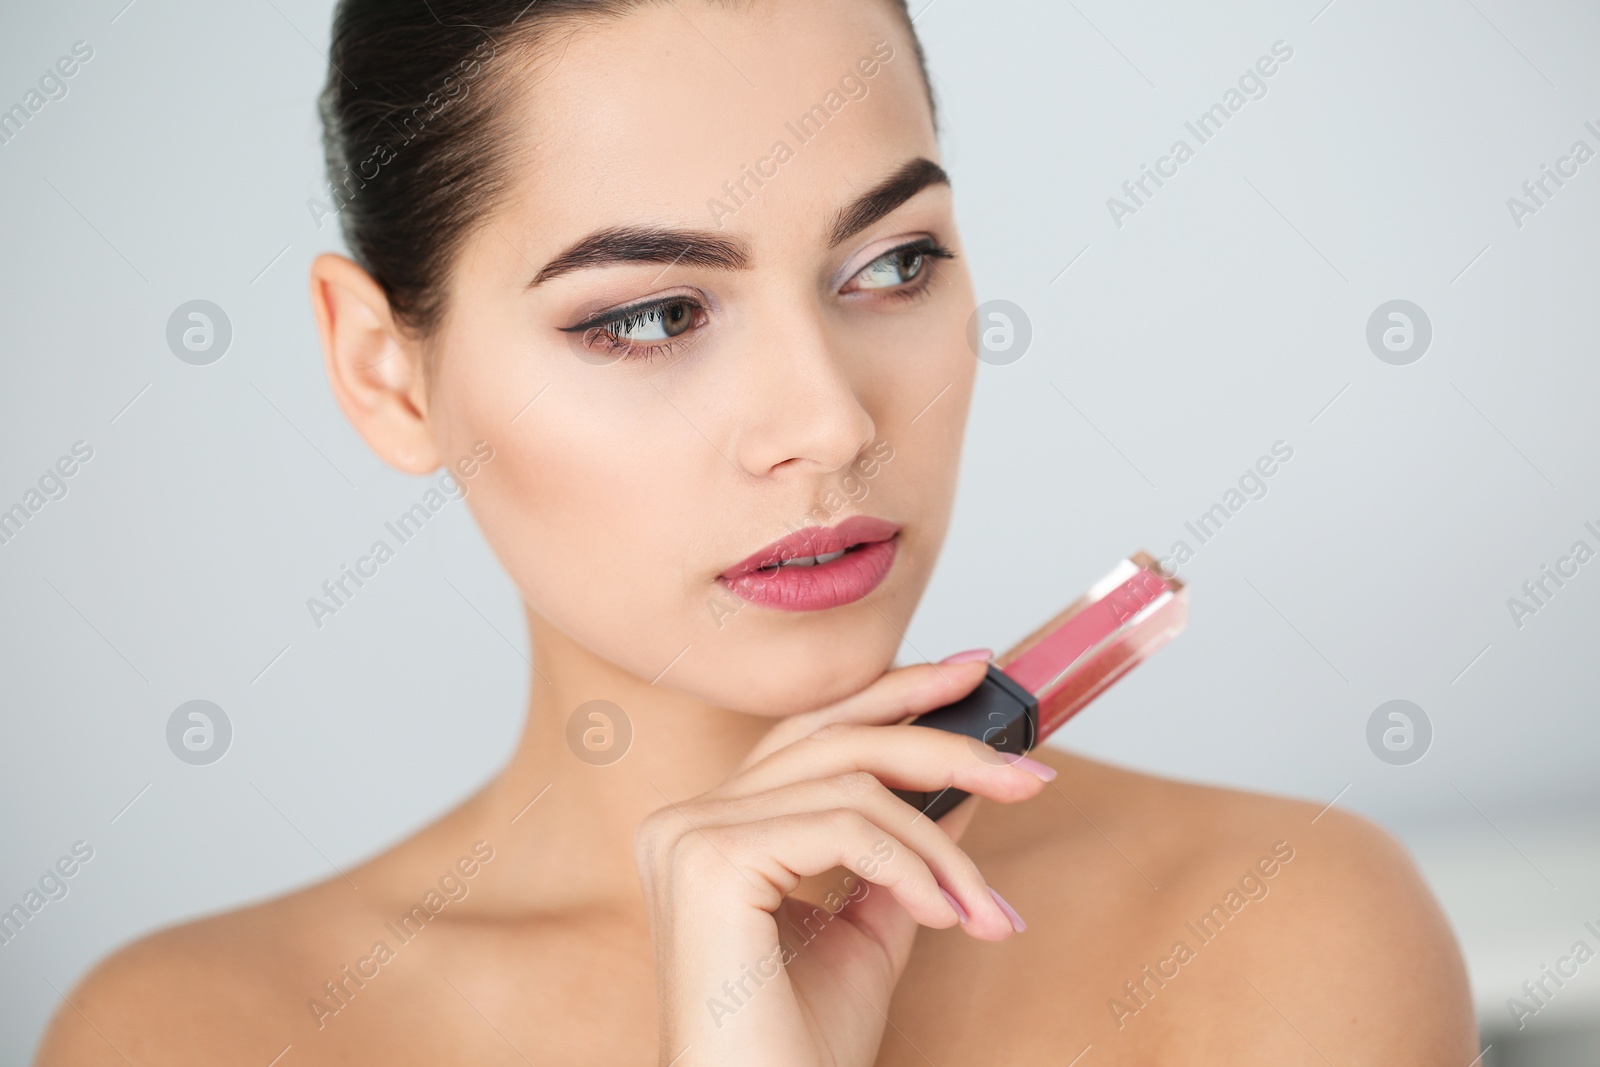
(620, 903)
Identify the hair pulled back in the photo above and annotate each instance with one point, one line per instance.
(415, 127)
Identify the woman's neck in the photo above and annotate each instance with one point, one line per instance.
(567, 811)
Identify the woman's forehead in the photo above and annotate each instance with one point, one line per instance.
(718, 120)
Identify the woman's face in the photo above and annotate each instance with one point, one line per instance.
(713, 310)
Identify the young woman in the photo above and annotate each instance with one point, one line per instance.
(669, 282)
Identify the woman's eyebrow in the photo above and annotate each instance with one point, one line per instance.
(877, 202)
(640, 244)
(707, 248)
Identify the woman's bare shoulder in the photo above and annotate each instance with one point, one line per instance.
(244, 984)
(210, 989)
(1189, 902)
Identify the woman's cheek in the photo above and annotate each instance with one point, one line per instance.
(592, 531)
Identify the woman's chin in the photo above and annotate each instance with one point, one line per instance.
(784, 680)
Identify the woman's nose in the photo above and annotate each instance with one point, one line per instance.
(800, 408)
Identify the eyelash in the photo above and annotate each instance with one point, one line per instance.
(601, 333)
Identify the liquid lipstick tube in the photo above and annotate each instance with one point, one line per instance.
(1056, 671)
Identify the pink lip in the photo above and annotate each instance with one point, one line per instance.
(841, 581)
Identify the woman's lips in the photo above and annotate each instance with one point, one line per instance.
(766, 578)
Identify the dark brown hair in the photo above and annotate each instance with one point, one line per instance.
(411, 128)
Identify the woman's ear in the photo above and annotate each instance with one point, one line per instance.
(375, 369)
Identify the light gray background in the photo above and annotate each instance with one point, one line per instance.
(1229, 313)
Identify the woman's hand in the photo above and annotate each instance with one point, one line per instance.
(749, 975)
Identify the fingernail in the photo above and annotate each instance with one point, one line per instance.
(961, 913)
(970, 655)
(1042, 771)
(1011, 913)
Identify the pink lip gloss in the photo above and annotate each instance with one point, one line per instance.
(1056, 671)
(862, 550)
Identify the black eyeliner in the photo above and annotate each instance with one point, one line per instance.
(609, 317)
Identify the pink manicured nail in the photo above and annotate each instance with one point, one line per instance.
(961, 913)
(970, 655)
(1011, 913)
(1042, 771)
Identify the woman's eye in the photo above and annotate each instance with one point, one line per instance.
(892, 269)
(660, 322)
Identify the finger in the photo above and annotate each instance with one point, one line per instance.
(894, 697)
(859, 791)
(955, 821)
(785, 848)
(904, 757)
(909, 691)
